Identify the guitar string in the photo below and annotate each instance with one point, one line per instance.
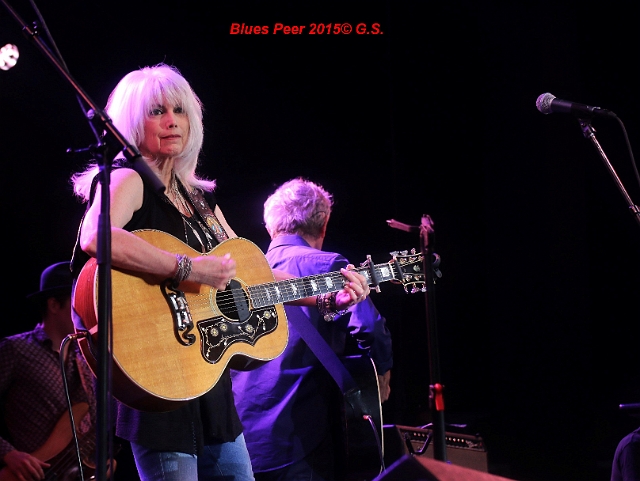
(69, 458)
(293, 286)
(286, 288)
(289, 289)
(226, 298)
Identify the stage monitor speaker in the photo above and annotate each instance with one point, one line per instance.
(461, 449)
(421, 468)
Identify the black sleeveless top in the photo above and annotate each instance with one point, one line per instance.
(209, 419)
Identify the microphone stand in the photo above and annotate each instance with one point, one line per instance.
(589, 132)
(436, 396)
(99, 122)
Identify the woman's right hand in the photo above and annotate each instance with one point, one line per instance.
(213, 271)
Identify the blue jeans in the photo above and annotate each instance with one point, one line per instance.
(220, 462)
(316, 466)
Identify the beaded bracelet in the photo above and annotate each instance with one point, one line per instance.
(183, 270)
(326, 304)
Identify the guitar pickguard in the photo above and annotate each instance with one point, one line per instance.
(218, 333)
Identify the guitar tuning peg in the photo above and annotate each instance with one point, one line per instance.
(413, 251)
(404, 253)
(366, 263)
(393, 253)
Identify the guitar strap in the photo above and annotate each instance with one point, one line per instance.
(353, 395)
(206, 214)
(323, 352)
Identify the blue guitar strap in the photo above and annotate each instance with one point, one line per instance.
(322, 350)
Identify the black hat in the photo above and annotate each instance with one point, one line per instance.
(54, 280)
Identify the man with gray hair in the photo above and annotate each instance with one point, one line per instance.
(285, 405)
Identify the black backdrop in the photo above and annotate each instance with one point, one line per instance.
(537, 307)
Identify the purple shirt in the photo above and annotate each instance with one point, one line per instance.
(626, 462)
(284, 404)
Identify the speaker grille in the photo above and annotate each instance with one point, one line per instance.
(462, 449)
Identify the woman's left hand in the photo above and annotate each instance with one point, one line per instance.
(354, 291)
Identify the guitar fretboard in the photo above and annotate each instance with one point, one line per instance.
(293, 289)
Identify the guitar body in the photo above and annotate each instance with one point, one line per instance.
(60, 452)
(360, 441)
(170, 344)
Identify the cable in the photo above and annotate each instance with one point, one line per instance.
(65, 341)
(376, 434)
(626, 138)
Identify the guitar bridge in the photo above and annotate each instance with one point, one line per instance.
(218, 333)
(182, 322)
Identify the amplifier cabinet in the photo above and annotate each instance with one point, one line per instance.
(462, 449)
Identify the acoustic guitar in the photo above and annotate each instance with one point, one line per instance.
(358, 425)
(172, 343)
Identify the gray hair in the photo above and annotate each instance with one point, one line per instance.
(298, 206)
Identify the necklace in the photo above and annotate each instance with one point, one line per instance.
(183, 206)
(178, 199)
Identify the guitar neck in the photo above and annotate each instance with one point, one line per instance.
(263, 295)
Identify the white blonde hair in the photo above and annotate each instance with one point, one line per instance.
(130, 104)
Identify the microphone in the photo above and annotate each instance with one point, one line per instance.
(8, 56)
(548, 104)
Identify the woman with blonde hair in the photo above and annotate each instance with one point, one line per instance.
(156, 110)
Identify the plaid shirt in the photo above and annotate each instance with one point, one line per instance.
(32, 391)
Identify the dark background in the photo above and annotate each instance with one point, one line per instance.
(537, 309)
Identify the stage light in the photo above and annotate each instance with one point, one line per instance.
(8, 56)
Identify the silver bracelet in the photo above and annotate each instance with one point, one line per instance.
(326, 304)
(183, 269)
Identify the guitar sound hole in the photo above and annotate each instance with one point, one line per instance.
(233, 302)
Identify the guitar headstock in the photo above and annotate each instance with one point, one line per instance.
(408, 270)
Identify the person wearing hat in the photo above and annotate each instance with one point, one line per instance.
(32, 393)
